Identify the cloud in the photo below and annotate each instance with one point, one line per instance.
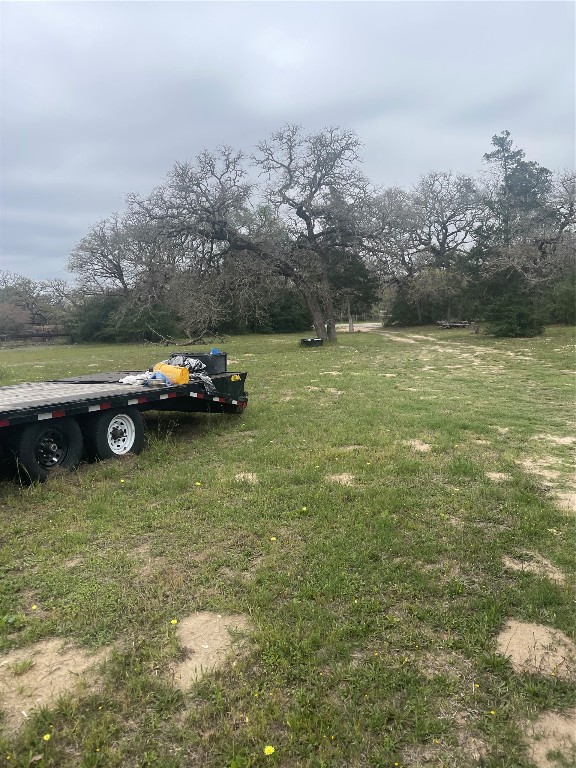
(100, 99)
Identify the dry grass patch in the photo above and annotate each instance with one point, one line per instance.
(245, 576)
(147, 563)
(247, 477)
(344, 479)
(537, 649)
(537, 564)
(207, 644)
(448, 663)
(553, 732)
(498, 477)
(418, 445)
(36, 676)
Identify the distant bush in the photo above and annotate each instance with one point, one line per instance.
(110, 319)
(559, 305)
(511, 312)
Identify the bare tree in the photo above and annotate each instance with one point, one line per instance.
(102, 258)
(317, 189)
(446, 207)
(307, 213)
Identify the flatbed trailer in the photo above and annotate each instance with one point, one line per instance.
(49, 424)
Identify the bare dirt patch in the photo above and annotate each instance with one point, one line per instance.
(359, 327)
(535, 563)
(418, 445)
(553, 476)
(403, 339)
(498, 477)
(567, 500)
(343, 479)
(207, 644)
(553, 732)
(556, 440)
(541, 468)
(36, 676)
(247, 477)
(538, 649)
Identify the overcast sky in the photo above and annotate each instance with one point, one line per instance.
(98, 99)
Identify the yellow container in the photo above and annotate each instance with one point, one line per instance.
(175, 373)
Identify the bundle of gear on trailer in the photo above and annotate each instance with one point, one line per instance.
(177, 369)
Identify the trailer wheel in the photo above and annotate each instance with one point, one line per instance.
(43, 446)
(114, 433)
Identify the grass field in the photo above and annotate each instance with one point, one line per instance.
(380, 513)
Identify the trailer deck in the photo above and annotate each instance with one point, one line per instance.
(31, 401)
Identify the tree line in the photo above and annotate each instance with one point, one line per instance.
(296, 236)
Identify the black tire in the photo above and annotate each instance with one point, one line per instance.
(114, 433)
(45, 445)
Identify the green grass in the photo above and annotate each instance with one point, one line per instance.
(374, 606)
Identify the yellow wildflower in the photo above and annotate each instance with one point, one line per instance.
(197, 483)
(272, 538)
(34, 607)
(47, 737)
(269, 750)
(173, 621)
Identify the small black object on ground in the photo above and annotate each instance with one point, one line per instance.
(311, 342)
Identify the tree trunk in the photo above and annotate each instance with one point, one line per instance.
(315, 310)
(350, 319)
(331, 329)
(329, 312)
(418, 305)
